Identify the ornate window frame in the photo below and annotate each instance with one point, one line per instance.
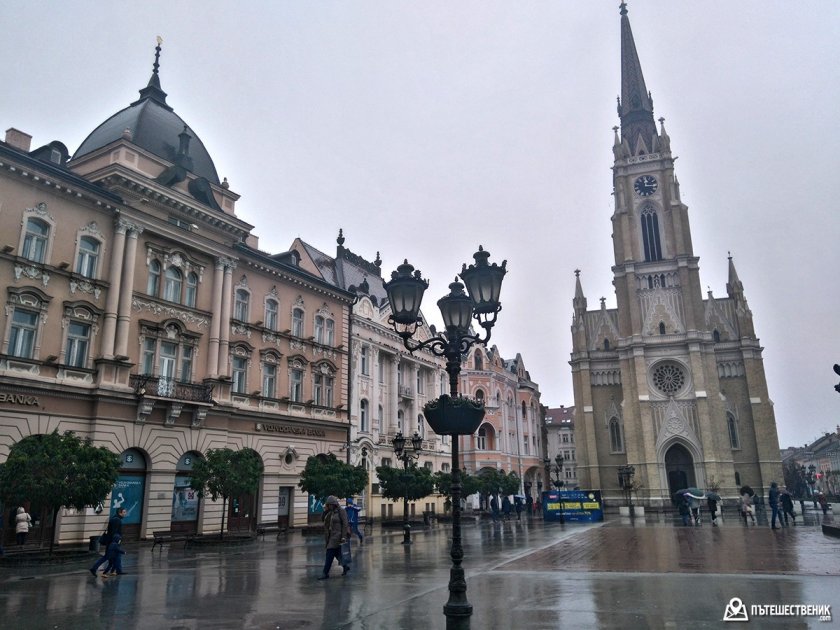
(27, 299)
(84, 313)
(39, 213)
(89, 232)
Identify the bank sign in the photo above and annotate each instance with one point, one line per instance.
(576, 505)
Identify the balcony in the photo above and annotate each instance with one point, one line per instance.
(405, 392)
(156, 386)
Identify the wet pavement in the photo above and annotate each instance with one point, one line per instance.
(649, 573)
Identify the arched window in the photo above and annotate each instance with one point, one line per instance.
(153, 284)
(271, 308)
(400, 416)
(650, 234)
(616, 441)
(88, 257)
(421, 426)
(240, 305)
(479, 395)
(481, 442)
(606, 344)
(319, 329)
(524, 412)
(297, 322)
(732, 426)
(35, 240)
(716, 336)
(479, 360)
(380, 414)
(329, 337)
(191, 296)
(661, 328)
(172, 285)
(737, 478)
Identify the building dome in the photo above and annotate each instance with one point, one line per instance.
(155, 127)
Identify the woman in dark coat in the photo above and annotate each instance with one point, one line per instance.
(336, 531)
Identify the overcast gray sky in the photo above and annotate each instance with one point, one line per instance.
(426, 128)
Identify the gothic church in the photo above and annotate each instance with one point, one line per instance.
(669, 382)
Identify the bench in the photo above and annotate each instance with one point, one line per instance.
(169, 537)
(269, 528)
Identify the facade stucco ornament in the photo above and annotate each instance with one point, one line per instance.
(299, 302)
(83, 286)
(92, 228)
(243, 282)
(295, 344)
(40, 209)
(168, 311)
(240, 329)
(268, 337)
(33, 273)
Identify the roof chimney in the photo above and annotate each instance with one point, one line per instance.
(18, 139)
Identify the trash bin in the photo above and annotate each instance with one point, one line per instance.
(94, 544)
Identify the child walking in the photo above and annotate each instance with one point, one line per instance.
(114, 557)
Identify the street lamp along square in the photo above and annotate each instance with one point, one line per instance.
(450, 414)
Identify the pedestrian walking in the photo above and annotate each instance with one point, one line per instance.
(711, 503)
(529, 504)
(747, 509)
(823, 501)
(506, 507)
(694, 505)
(114, 554)
(23, 522)
(113, 528)
(786, 502)
(353, 518)
(517, 504)
(684, 510)
(494, 508)
(336, 532)
(773, 500)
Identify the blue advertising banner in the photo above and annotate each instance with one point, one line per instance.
(128, 494)
(575, 505)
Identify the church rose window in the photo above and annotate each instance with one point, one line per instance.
(668, 378)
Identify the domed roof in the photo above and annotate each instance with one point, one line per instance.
(155, 127)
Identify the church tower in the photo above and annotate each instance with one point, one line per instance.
(670, 382)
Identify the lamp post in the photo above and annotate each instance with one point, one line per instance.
(407, 457)
(558, 482)
(625, 481)
(451, 415)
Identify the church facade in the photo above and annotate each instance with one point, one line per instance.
(671, 381)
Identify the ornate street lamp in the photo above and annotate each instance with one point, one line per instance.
(558, 473)
(451, 414)
(625, 482)
(407, 457)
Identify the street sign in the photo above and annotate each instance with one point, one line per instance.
(576, 505)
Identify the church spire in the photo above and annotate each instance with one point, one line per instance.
(635, 108)
(734, 287)
(579, 302)
(153, 90)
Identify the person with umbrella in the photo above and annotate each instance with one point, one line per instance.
(787, 505)
(712, 499)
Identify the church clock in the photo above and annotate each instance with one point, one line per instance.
(645, 185)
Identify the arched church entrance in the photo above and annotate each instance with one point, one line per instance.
(679, 465)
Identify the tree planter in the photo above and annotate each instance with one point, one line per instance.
(454, 416)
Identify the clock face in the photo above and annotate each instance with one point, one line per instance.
(645, 185)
